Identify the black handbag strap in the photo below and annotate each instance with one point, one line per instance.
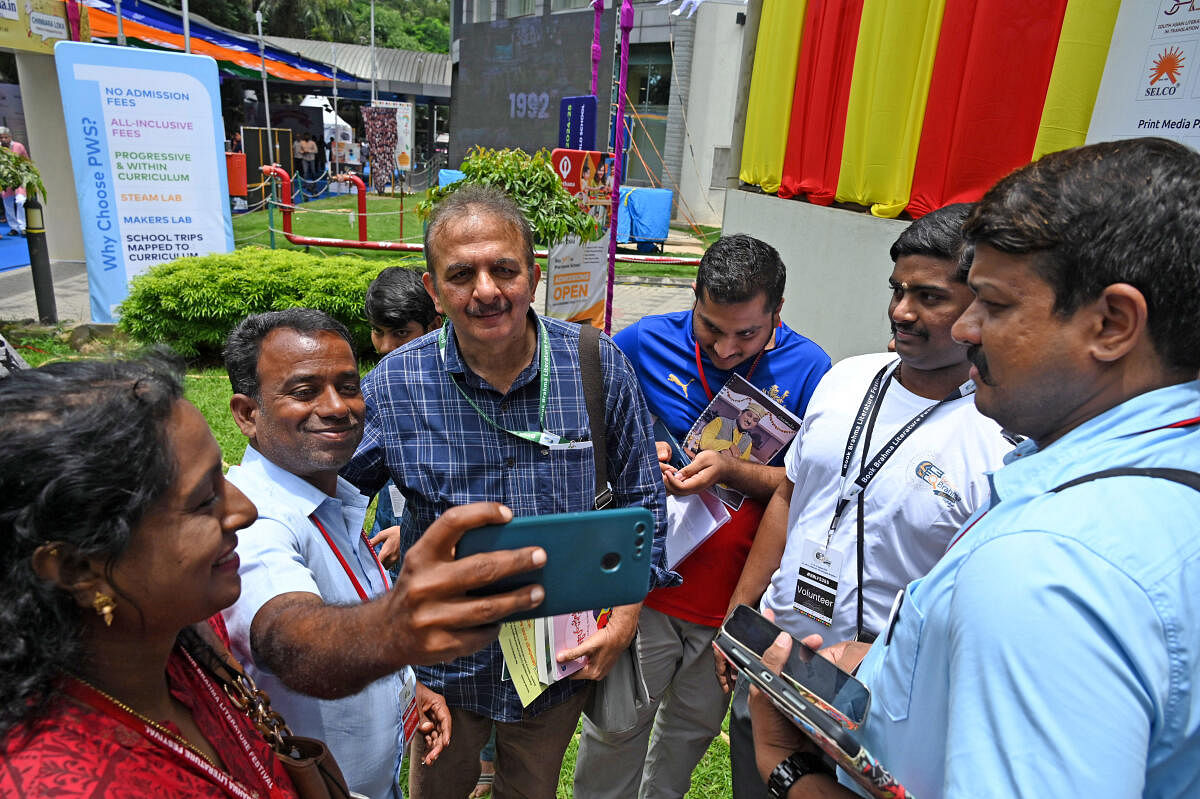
(593, 394)
(1190, 479)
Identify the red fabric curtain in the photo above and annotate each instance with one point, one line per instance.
(989, 83)
(815, 134)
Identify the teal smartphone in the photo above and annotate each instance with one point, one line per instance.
(594, 559)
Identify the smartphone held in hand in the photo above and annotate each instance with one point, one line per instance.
(594, 559)
(823, 701)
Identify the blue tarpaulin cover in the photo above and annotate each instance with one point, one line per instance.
(644, 215)
(448, 176)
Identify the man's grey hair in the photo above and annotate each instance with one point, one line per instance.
(471, 197)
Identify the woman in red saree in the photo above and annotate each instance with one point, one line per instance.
(117, 532)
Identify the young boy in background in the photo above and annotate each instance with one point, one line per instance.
(399, 310)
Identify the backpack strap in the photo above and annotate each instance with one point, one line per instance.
(593, 394)
(1190, 479)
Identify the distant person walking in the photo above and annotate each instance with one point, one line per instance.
(14, 196)
(308, 157)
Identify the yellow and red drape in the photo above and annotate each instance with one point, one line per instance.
(907, 105)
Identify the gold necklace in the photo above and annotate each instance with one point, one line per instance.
(162, 729)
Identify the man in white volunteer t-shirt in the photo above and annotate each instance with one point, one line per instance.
(890, 461)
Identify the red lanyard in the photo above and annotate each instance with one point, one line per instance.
(704, 380)
(105, 704)
(357, 585)
(263, 772)
(967, 530)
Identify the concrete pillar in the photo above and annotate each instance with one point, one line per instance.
(716, 59)
(682, 30)
(48, 147)
(742, 98)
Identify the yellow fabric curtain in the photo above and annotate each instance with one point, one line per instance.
(769, 106)
(897, 42)
(1078, 67)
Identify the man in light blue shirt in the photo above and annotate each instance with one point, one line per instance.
(318, 624)
(1055, 649)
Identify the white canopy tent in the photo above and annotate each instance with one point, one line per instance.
(335, 127)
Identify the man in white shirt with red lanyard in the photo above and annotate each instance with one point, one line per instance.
(318, 625)
(890, 461)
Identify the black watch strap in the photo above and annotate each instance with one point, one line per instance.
(791, 769)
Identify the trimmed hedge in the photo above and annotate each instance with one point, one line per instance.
(192, 303)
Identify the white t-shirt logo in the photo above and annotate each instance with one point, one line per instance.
(929, 472)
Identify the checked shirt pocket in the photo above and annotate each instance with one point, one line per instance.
(572, 478)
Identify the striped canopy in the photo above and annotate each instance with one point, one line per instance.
(152, 26)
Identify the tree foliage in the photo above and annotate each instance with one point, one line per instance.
(18, 171)
(533, 184)
(412, 25)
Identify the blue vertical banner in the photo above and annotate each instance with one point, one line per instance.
(577, 123)
(147, 148)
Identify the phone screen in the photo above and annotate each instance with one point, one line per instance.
(812, 675)
(679, 458)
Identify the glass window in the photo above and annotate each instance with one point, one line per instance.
(648, 86)
(569, 5)
(518, 8)
(483, 11)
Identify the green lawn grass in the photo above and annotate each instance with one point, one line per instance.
(207, 386)
(337, 218)
(707, 233)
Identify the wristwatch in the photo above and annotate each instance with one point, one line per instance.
(791, 769)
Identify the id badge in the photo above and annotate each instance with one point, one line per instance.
(817, 581)
(563, 445)
(408, 701)
(397, 499)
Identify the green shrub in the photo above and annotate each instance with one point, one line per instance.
(193, 303)
(532, 183)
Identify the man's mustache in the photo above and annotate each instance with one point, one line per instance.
(910, 330)
(979, 361)
(499, 306)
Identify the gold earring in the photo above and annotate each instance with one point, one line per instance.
(104, 605)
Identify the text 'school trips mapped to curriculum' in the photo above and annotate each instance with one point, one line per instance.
(153, 165)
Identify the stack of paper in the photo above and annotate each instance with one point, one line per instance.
(690, 521)
(531, 649)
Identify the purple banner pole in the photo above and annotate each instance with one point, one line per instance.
(626, 21)
(597, 50)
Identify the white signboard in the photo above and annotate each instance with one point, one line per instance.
(577, 287)
(147, 148)
(1151, 83)
(404, 136)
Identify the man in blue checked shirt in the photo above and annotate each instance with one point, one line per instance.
(484, 409)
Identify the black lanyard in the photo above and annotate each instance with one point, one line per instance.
(863, 426)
